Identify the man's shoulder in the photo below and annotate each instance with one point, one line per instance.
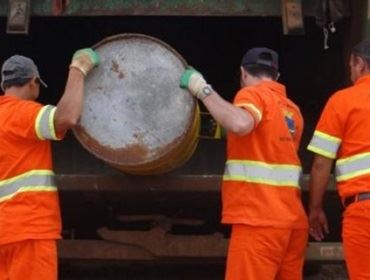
(293, 105)
(246, 89)
(15, 100)
(345, 92)
(27, 104)
(342, 98)
(15, 107)
(250, 91)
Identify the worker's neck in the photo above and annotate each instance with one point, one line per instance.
(254, 81)
(365, 73)
(20, 92)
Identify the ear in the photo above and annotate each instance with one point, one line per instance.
(34, 82)
(243, 73)
(365, 66)
(360, 64)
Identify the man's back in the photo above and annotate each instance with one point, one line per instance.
(29, 205)
(346, 120)
(280, 126)
(21, 150)
(262, 172)
(352, 107)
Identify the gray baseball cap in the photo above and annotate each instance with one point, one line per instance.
(19, 67)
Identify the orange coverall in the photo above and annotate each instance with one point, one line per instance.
(260, 191)
(29, 207)
(343, 133)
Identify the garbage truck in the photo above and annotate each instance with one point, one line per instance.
(111, 212)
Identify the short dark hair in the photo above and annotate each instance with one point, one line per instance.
(261, 62)
(17, 82)
(260, 71)
(362, 50)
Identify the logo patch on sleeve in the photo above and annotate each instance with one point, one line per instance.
(290, 122)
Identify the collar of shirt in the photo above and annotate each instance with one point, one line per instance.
(363, 79)
(274, 87)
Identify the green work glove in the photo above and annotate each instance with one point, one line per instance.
(84, 60)
(192, 80)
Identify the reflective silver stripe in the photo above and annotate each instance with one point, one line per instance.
(353, 166)
(37, 180)
(260, 172)
(44, 125)
(324, 144)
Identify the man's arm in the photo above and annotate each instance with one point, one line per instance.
(69, 107)
(319, 179)
(230, 117)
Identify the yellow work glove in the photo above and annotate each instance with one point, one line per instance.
(195, 83)
(84, 60)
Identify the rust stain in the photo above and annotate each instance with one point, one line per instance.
(115, 68)
(138, 158)
(133, 154)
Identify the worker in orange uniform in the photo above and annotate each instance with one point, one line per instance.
(343, 134)
(29, 208)
(260, 190)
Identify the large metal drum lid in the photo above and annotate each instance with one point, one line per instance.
(134, 112)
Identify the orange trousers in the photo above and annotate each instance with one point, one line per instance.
(264, 253)
(356, 240)
(29, 260)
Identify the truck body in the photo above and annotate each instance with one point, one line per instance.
(110, 215)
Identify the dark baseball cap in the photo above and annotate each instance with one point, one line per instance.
(19, 67)
(261, 56)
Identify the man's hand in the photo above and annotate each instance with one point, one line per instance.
(84, 60)
(318, 224)
(195, 83)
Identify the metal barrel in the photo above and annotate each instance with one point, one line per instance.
(135, 116)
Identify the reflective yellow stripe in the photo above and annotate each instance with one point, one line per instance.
(327, 136)
(261, 181)
(353, 175)
(51, 124)
(253, 108)
(324, 144)
(353, 166)
(44, 172)
(35, 180)
(264, 164)
(260, 172)
(353, 158)
(44, 125)
(38, 123)
(321, 152)
(30, 189)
